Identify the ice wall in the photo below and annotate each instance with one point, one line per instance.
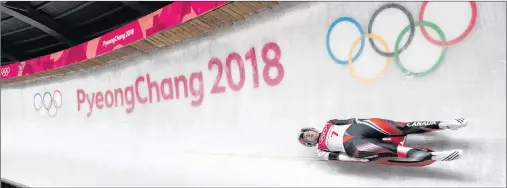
(188, 114)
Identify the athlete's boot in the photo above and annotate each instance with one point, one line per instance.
(454, 124)
(447, 155)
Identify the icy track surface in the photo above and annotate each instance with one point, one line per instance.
(154, 120)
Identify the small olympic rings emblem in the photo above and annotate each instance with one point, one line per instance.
(51, 102)
(398, 48)
(5, 71)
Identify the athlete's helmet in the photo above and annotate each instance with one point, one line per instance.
(306, 142)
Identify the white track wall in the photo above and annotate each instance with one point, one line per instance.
(248, 136)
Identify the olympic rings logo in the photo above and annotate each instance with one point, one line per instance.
(50, 102)
(5, 71)
(443, 42)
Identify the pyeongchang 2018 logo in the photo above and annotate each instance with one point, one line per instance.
(48, 103)
(399, 48)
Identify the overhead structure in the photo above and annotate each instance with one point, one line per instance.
(42, 22)
(35, 28)
(138, 7)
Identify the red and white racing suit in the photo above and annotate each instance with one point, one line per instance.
(361, 139)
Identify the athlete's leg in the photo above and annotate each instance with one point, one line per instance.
(371, 148)
(397, 128)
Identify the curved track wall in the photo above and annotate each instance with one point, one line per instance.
(224, 109)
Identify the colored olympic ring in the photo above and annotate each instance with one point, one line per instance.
(397, 50)
(410, 19)
(5, 71)
(459, 38)
(432, 68)
(361, 32)
(351, 67)
(47, 101)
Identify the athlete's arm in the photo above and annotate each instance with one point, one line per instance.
(326, 155)
(342, 121)
(428, 124)
(338, 156)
